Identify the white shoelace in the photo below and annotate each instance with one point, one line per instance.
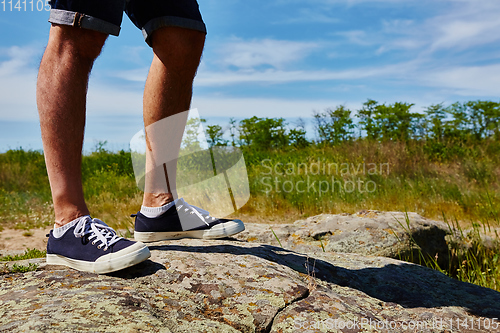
(199, 212)
(98, 230)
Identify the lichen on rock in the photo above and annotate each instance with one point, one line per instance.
(235, 286)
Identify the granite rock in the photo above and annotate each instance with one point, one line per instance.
(234, 286)
(387, 234)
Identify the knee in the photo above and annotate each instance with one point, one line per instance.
(178, 48)
(76, 42)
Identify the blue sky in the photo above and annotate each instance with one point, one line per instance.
(273, 58)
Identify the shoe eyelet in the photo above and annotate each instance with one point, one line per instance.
(99, 246)
(93, 243)
(105, 249)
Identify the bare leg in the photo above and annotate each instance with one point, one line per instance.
(168, 91)
(61, 99)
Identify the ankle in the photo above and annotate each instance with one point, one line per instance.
(157, 199)
(67, 216)
(68, 207)
(58, 224)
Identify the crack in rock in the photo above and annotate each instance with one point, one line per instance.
(298, 299)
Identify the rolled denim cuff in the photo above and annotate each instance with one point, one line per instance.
(65, 17)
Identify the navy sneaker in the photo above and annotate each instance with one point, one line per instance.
(92, 246)
(184, 221)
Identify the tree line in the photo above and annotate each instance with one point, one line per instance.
(458, 123)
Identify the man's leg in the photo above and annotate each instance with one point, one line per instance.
(61, 98)
(168, 91)
(167, 94)
(79, 241)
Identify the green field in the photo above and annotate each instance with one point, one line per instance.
(381, 176)
(285, 184)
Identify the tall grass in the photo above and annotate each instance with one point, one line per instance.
(24, 189)
(406, 179)
(466, 187)
(25, 199)
(109, 187)
(475, 259)
(473, 255)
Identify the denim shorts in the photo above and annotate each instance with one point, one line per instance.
(106, 15)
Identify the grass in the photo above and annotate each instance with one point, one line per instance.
(16, 268)
(471, 257)
(466, 187)
(276, 236)
(23, 269)
(25, 199)
(28, 254)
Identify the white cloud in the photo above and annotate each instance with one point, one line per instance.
(469, 24)
(220, 78)
(17, 83)
(262, 52)
(18, 60)
(454, 25)
(134, 75)
(263, 107)
(244, 55)
(466, 30)
(310, 15)
(466, 80)
(134, 54)
(357, 37)
(113, 100)
(346, 2)
(18, 89)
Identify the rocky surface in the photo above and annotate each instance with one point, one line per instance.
(387, 234)
(235, 286)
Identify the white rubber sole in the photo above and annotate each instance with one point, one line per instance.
(102, 267)
(221, 230)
